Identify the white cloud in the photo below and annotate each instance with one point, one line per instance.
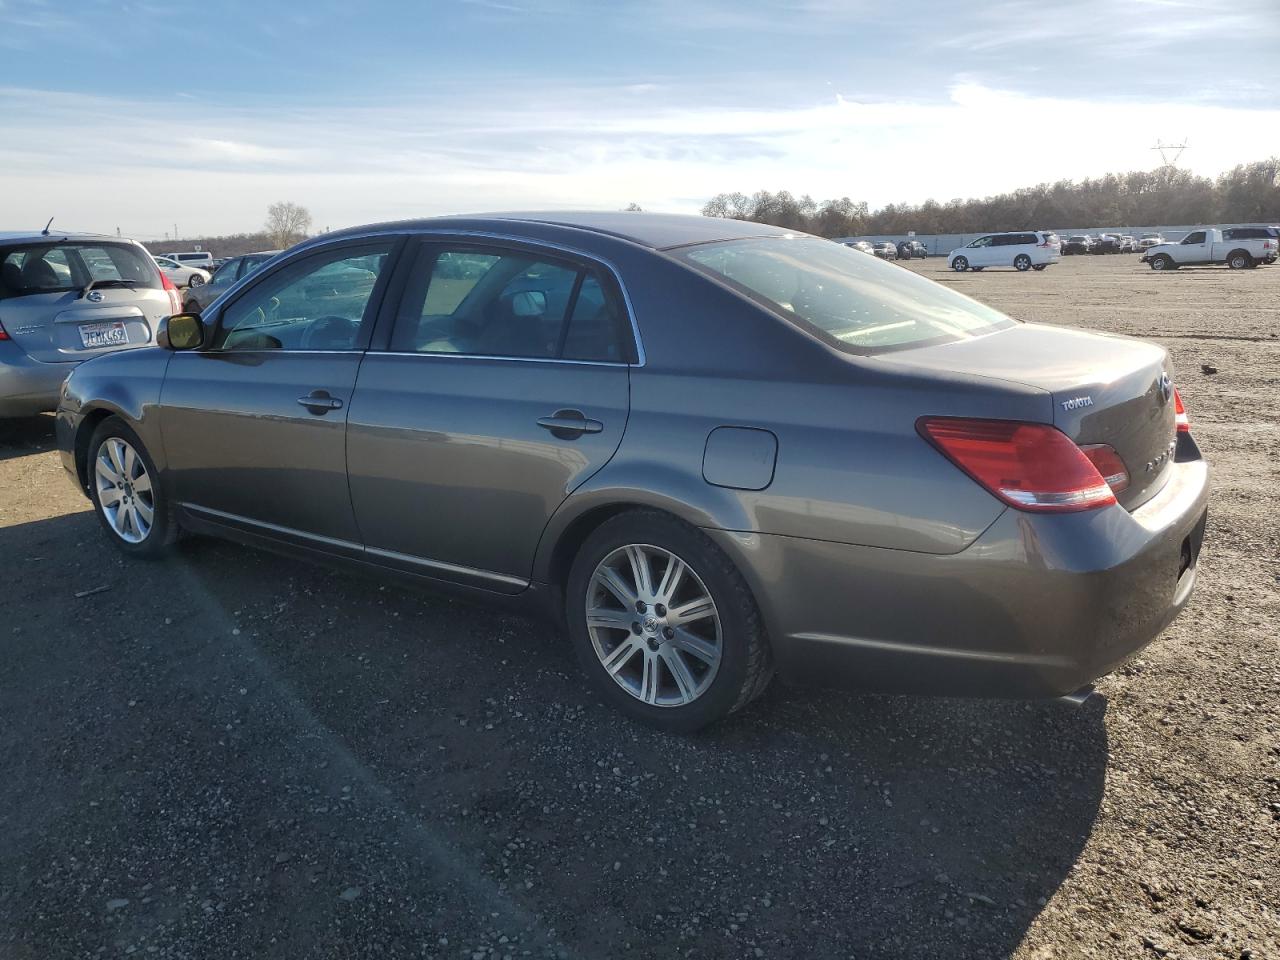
(99, 163)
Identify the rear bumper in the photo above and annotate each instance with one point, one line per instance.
(27, 386)
(1038, 606)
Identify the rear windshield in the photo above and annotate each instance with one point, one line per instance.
(852, 301)
(58, 267)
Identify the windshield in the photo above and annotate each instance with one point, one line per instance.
(850, 300)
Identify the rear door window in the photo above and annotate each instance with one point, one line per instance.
(507, 303)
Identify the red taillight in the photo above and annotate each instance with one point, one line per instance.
(1107, 462)
(1030, 466)
(175, 301)
(1180, 413)
(3, 335)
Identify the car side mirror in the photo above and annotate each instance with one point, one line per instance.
(182, 331)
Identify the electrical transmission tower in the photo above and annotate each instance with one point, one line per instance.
(1166, 148)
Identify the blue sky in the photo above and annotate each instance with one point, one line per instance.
(142, 115)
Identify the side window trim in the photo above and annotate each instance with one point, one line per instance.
(585, 263)
(377, 299)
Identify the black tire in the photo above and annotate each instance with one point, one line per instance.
(163, 531)
(1039, 266)
(960, 264)
(195, 280)
(746, 662)
(1239, 260)
(1162, 261)
(977, 269)
(1022, 263)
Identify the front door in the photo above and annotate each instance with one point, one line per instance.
(255, 424)
(1194, 248)
(979, 252)
(503, 388)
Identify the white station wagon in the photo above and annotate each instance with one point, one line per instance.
(1031, 250)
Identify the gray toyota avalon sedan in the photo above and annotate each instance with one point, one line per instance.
(713, 450)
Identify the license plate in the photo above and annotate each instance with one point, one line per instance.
(103, 334)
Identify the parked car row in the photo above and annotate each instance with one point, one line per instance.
(888, 250)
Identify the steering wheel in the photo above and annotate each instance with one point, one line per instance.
(329, 333)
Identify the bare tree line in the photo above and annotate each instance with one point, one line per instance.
(1248, 193)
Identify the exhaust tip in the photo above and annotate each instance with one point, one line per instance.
(1079, 698)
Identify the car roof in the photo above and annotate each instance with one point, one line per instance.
(54, 236)
(660, 231)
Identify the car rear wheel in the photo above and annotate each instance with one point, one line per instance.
(1239, 260)
(960, 264)
(125, 490)
(1022, 262)
(1039, 266)
(663, 623)
(1161, 262)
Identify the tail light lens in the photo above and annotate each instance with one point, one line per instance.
(1107, 462)
(1029, 466)
(3, 335)
(175, 301)
(1180, 413)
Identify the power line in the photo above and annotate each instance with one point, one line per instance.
(1165, 148)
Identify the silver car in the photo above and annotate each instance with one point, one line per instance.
(713, 450)
(65, 298)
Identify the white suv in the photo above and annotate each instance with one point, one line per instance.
(1022, 251)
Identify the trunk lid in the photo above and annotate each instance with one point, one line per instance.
(1104, 389)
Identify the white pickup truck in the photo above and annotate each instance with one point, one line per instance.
(1237, 247)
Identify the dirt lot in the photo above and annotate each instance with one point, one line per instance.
(233, 755)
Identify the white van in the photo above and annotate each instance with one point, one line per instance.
(1022, 251)
(201, 259)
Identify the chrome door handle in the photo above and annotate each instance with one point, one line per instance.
(319, 401)
(569, 424)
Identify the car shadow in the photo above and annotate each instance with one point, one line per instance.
(23, 436)
(246, 747)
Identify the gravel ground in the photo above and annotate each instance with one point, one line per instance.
(229, 754)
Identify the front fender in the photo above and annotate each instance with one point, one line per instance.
(125, 384)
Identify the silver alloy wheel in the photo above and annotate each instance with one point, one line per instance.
(124, 490)
(195, 280)
(653, 625)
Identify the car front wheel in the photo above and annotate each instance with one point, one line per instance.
(1161, 262)
(126, 494)
(664, 624)
(960, 264)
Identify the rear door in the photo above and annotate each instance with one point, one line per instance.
(255, 425)
(48, 308)
(502, 388)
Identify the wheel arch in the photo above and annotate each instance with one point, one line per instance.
(89, 422)
(586, 510)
